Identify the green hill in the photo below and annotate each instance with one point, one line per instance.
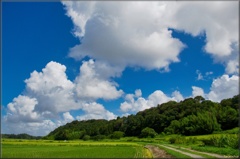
(192, 116)
(20, 136)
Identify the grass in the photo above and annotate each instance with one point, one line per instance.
(196, 153)
(173, 153)
(217, 150)
(73, 149)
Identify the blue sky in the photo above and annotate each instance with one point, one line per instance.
(93, 61)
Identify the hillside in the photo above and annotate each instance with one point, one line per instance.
(20, 136)
(192, 116)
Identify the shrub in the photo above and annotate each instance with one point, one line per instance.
(148, 132)
(222, 141)
(86, 137)
(99, 137)
(117, 135)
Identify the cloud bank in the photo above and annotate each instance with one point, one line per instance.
(49, 96)
(137, 33)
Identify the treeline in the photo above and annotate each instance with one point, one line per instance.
(192, 116)
(20, 136)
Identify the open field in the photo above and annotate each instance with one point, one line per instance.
(73, 149)
(127, 147)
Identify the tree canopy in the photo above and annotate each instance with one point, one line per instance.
(192, 116)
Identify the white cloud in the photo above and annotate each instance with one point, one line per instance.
(95, 111)
(91, 84)
(138, 93)
(135, 103)
(124, 36)
(52, 89)
(121, 37)
(49, 94)
(177, 96)
(33, 128)
(22, 108)
(197, 91)
(208, 73)
(224, 87)
(67, 117)
(218, 19)
(199, 77)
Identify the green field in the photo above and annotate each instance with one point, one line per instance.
(127, 147)
(74, 149)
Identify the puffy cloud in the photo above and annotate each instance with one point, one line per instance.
(49, 94)
(217, 19)
(135, 103)
(67, 117)
(95, 111)
(224, 87)
(121, 37)
(39, 128)
(231, 61)
(144, 40)
(177, 96)
(22, 108)
(52, 89)
(197, 91)
(92, 85)
(138, 93)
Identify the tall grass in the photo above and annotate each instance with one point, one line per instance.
(224, 140)
(217, 150)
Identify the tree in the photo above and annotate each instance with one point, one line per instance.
(199, 99)
(148, 132)
(117, 134)
(173, 128)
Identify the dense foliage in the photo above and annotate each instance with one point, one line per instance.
(192, 116)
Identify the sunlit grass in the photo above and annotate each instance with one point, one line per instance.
(72, 149)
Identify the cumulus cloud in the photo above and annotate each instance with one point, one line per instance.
(134, 103)
(95, 111)
(121, 37)
(49, 96)
(32, 128)
(224, 87)
(22, 108)
(144, 40)
(197, 91)
(91, 84)
(67, 117)
(52, 89)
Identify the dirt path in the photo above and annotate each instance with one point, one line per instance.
(206, 153)
(158, 153)
(182, 152)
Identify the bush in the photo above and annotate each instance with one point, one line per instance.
(86, 137)
(148, 132)
(223, 141)
(117, 135)
(177, 140)
(98, 137)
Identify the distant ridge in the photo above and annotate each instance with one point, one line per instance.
(20, 136)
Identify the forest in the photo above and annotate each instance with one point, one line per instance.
(192, 116)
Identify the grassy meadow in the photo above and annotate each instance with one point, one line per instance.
(223, 143)
(71, 149)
